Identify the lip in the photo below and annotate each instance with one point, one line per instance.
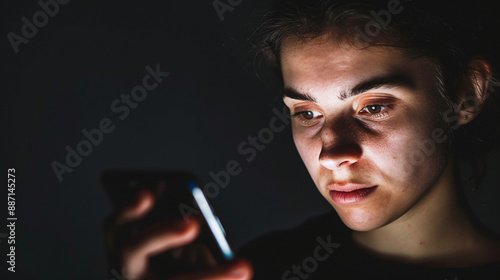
(347, 186)
(350, 193)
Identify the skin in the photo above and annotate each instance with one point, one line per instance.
(372, 138)
(132, 253)
(414, 214)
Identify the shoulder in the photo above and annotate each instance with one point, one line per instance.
(320, 248)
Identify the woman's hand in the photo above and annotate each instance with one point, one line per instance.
(129, 251)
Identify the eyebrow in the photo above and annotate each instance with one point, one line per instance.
(294, 94)
(388, 81)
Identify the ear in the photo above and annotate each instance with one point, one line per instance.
(473, 90)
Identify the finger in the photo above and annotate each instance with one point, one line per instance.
(143, 202)
(154, 240)
(238, 270)
(195, 254)
(140, 206)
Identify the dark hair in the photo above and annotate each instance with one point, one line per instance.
(437, 31)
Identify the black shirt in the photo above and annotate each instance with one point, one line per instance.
(321, 248)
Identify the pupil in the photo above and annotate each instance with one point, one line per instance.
(374, 109)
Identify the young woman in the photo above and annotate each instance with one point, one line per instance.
(385, 99)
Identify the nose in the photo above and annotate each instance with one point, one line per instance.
(340, 148)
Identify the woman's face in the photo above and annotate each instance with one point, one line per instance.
(366, 125)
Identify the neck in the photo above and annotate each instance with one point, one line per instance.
(437, 231)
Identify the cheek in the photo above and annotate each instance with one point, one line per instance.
(408, 159)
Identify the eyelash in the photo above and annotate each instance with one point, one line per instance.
(382, 114)
(303, 120)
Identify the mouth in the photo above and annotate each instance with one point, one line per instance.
(351, 194)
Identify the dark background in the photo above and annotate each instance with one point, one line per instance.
(216, 96)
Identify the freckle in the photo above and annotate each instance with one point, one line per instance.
(421, 243)
(394, 157)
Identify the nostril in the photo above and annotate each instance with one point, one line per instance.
(337, 156)
(345, 162)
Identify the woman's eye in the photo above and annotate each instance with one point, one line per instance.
(307, 117)
(376, 110)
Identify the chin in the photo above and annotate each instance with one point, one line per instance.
(359, 220)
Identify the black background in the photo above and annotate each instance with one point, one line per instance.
(64, 80)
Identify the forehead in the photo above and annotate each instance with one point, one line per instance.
(321, 62)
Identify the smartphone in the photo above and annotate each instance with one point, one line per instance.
(178, 195)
